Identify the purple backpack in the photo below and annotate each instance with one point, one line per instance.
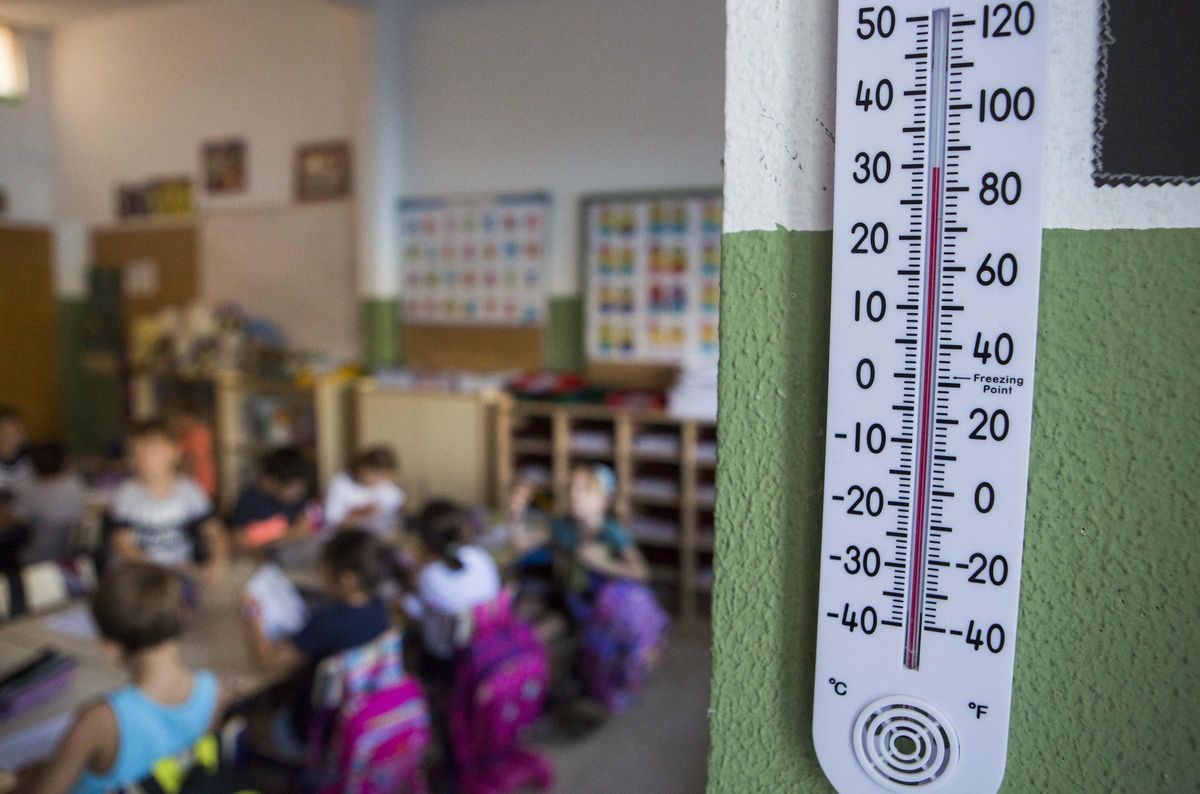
(501, 679)
(371, 725)
(621, 643)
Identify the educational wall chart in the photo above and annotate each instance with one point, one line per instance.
(475, 260)
(653, 264)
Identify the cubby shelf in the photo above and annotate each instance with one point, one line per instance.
(668, 456)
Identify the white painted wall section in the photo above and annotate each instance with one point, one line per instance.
(780, 99)
(27, 139)
(569, 96)
(139, 90)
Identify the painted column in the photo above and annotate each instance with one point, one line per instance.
(379, 175)
(1112, 568)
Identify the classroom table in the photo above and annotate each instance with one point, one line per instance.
(214, 640)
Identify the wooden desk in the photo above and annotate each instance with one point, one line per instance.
(214, 641)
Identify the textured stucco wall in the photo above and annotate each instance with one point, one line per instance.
(1106, 677)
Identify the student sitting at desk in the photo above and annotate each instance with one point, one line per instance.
(159, 515)
(591, 545)
(353, 563)
(15, 465)
(454, 579)
(51, 505)
(276, 506)
(367, 495)
(140, 613)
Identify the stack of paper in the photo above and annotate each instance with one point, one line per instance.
(695, 393)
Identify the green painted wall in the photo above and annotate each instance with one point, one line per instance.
(382, 340)
(564, 334)
(1108, 659)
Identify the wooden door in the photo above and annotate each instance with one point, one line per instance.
(30, 379)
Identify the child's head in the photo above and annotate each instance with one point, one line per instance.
(592, 490)
(352, 564)
(139, 606)
(153, 451)
(284, 475)
(12, 432)
(374, 465)
(521, 495)
(49, 460)
(444, 527)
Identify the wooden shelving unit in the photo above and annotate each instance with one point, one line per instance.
(665, 469)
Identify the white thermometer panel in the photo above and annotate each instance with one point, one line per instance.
(936, 258)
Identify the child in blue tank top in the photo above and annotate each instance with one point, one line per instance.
(139, 610)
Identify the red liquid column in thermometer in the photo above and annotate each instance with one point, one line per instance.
(928, 354)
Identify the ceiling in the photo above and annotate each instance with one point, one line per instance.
(50, 13)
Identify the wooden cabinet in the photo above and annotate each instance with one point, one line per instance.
(665, 468)
(444, 440)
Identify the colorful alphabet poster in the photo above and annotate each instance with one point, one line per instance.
(654, 275)
(475, 260)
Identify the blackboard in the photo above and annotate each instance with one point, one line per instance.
(1148, 93)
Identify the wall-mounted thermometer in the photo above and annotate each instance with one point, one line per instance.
(936, 257)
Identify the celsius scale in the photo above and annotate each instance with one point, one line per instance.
(937, 249)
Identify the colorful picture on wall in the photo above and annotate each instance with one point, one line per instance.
(323, 171)
(653, 264)
(475, 260)
(169, 197)
(224, 164)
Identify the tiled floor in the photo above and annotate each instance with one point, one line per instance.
(660, 746)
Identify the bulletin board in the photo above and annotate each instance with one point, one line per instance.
(652, 265)
(475, 260)
(1148, 78)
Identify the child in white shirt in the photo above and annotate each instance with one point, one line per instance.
(367, 495)
(454, 579)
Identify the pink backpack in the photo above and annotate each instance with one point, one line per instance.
(370, 728)
(621, 643)
(501, 679)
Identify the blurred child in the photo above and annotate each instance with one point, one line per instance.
(276, 506)
(352, 566)
(51, 505)
(15, 465)
(159, 515)
(139, 610)
(187, 423)
(594, 546)
(454, 578)
(367, 495)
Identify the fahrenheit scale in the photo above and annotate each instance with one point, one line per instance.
(937, 249)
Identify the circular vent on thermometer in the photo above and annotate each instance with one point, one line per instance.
(904, 743)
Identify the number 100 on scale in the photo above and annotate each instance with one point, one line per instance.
(937, 247)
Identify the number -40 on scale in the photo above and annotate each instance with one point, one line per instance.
(937, 248)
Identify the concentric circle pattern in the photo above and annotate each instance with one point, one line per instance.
(905, 743)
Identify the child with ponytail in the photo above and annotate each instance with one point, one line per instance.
(455, 577)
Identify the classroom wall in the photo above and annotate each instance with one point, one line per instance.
(27, 139)
(139, 90)
(1105, 674)
(570, 96)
